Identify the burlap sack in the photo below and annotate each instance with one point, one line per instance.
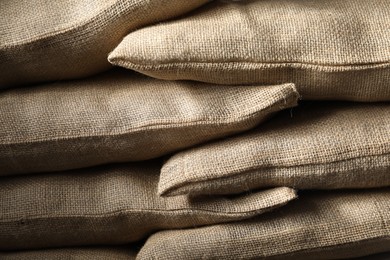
(121, 117)
(315, 146)
(320, 225)
(53, 40)
(110, 205)
(333, 49)
(92, 253)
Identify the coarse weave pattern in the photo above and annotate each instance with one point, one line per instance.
(315, 146)
(50, 40)
(321, 225)
(98, 253)
(121, 117)
(333, 49)
(110, 205)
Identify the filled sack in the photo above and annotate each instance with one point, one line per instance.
(111, 205)
(121, 116)
(44, 40)
(333, 49)
(318, 145)
(319, 225)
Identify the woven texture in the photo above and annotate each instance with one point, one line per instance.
(53, 40)
(334, 49)
(110, 205)
(324, 145)
(103, 253)
(121, 117)
(319, 225)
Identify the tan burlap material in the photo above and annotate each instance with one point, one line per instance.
(110, 205)
(333, 49)
(53, 40)
(92, 253)
(323, 145)
(120, 117)
(321, 225)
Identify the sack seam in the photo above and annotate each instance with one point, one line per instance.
(173, 190)
(281, 201)
(123, 62)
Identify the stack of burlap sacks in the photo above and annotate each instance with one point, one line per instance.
(234, 129)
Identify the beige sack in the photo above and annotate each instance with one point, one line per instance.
(92, 253)
(110, 205)
(333, 49)
(44, 40)
(322, 225)
(121, 117)
(315, 146)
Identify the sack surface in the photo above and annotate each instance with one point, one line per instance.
(334, 49)
(323, 145)
(122, 117)
(110, 205)
(319, 225)
(43, 40)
